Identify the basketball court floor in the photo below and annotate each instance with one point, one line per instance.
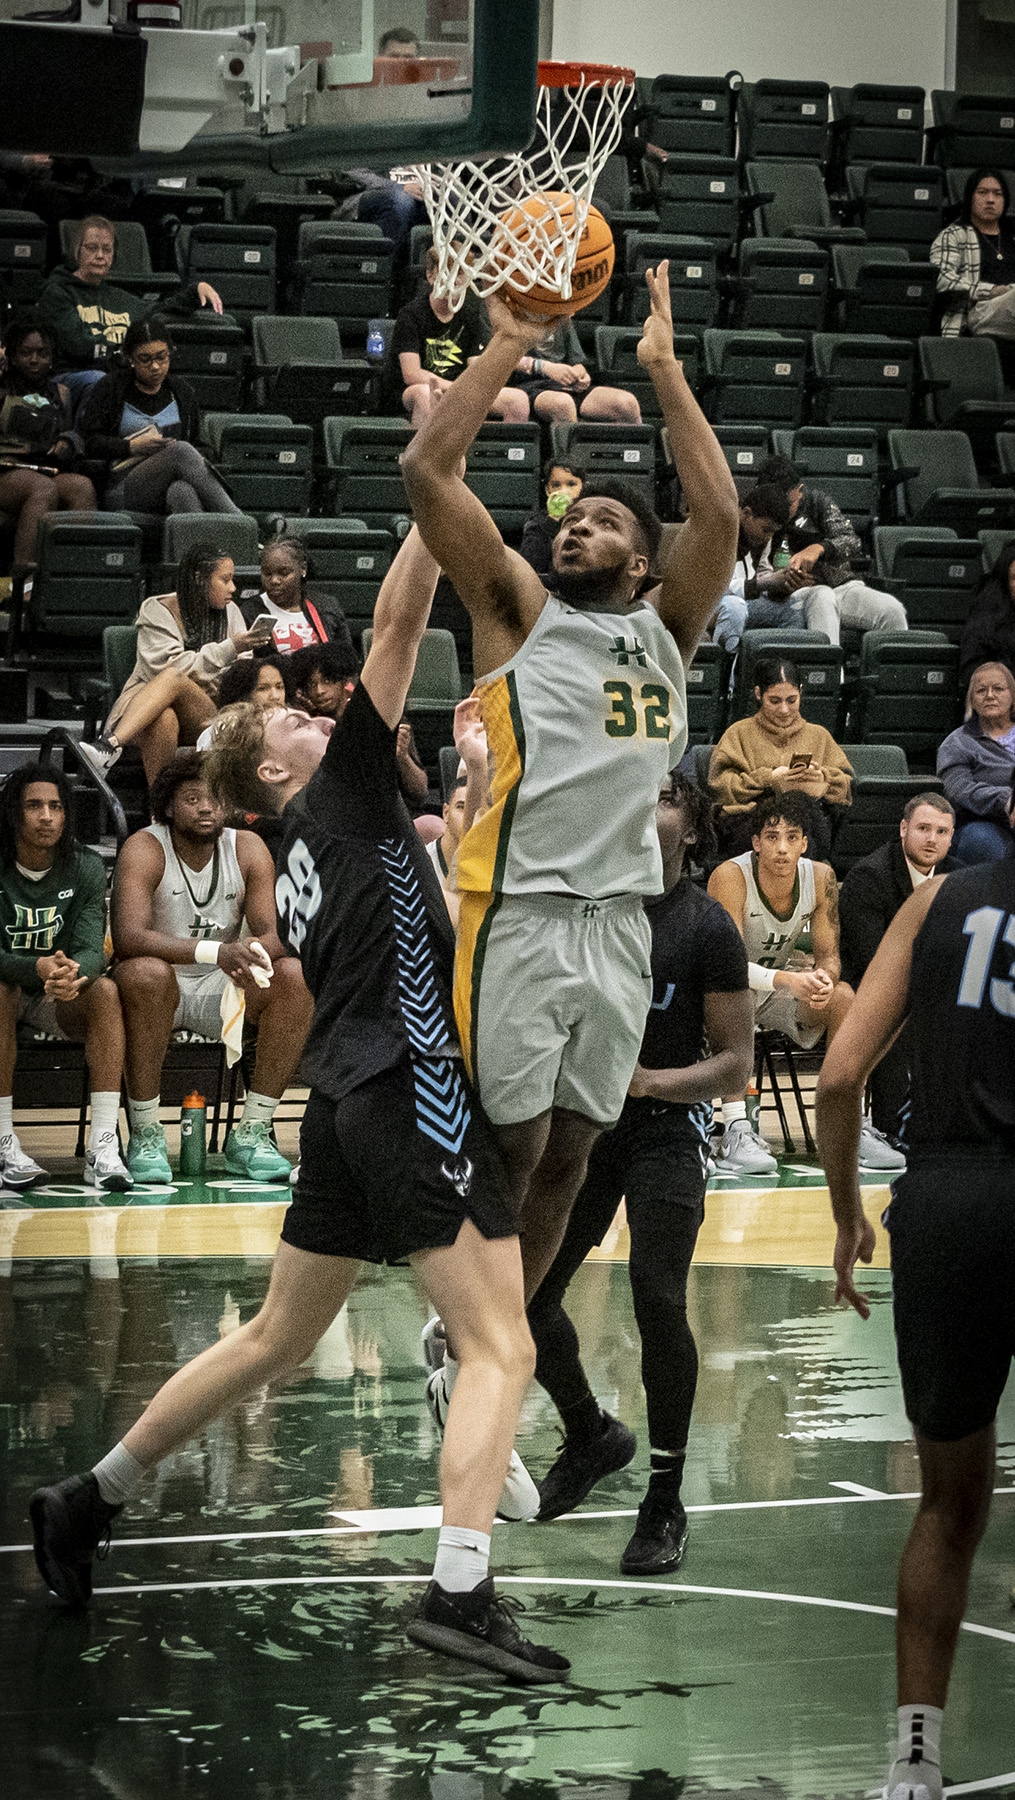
(246, 1635)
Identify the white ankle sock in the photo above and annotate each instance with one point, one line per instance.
(105, 1113)
(733, 1109)
(120, 1476)
(258, 1109)
(450, 1372)
(462, 1560)
(918, 1759)
(143, 1112)
(6, 1116)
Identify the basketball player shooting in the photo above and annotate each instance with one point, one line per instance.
(584, 704)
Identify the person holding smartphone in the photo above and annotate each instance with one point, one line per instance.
(184, 641)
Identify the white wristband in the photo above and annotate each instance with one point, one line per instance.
(762, 980)
(206, 950)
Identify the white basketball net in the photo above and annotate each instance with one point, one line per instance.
(465, 200)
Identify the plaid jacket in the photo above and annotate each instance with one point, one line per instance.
(956, 254)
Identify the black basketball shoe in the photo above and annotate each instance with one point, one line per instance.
(660, 1537)
(479, 1627)
(581, 1463)
(70, 1526)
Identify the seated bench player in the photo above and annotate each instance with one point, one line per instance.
(52, 965)
(186, 889)
(774, 893)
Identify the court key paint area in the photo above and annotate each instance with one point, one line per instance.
(247, 1635)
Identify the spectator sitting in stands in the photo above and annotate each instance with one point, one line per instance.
(267, 681)
(52, 965)
(324, 676)
(988, 634)
(562, 487)
(396, 206)
(872, 892)
(184, 642)
(142, 422)
(763, 511)
(975, 260)
(976, 765)
(821, 543)
(38, 449)
(777, 748)
(303, 613)
(774, 893)
(431, 345)
(559, 386)
(90, 315)
(184, 888)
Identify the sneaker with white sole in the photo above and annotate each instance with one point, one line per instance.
(519, 1497)
(18, 1170)
(148, 1156)
(914, 1781)
(101, 755)
(877, 1153)
(105, 1168)
(743, 1151)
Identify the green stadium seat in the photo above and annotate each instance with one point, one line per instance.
(364, 473)
(879, 290)
(940, 485)
(87, 576)
(264, 460)
(615, 199)
(238, 260)
(621, 452)
(298, 367)
(862, 380)
(782, 285)
(897, 203)
(877, 122)
(934, 573)
(790, 201)
(210, 351)
(819, 664)
(22, 256)
(754, 376)
(707, 685)
(784, 118)
(502, 470)
(235, 534)
(964, 391)
(345, 272)
(694, 281)
(697, 196)
(745, 448)
(617, 363)
(992, 543)
(842, 461)
(970, 130)
(882, 785)
(286, 209)
(906, 693)
(695, 114)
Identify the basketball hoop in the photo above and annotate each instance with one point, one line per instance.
(578, 117)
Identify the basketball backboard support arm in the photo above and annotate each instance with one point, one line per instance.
(287, 119)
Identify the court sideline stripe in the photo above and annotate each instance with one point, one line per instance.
(328, 1531)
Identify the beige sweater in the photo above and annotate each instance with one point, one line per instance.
(160, 646)
(746, 754)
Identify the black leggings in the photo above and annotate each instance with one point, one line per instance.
(659, 1173)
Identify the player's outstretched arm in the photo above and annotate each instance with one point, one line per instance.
(696, 572)
(867, 1031)
(501, 592)
(400, 616)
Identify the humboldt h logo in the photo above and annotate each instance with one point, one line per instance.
(34, 928)
(627, 651)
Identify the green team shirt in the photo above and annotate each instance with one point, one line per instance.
(65, 911)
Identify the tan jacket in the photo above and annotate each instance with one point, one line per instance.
(160, 646)
(746, 754)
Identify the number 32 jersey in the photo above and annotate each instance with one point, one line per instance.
(583, 725)
(961, 1031)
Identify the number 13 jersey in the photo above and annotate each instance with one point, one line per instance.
(583, 726)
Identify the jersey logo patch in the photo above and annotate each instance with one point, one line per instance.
(34, 928)
(460, 1176)
(627, 651)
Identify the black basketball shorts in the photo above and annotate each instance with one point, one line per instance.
(396, 1167)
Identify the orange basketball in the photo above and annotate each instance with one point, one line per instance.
(538, 223)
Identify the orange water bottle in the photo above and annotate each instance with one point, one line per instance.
(193, 1148)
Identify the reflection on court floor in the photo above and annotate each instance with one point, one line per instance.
(247, 1636)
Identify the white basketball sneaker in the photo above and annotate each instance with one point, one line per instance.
(519, 1497)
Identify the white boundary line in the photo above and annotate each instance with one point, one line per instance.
(384, 1524)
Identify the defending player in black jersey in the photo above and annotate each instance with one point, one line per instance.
(656, 1156)
(946, 967)
(396, 1162)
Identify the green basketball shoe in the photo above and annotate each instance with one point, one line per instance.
(251, 1153)
(148, 1156)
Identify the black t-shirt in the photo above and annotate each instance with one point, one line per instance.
(443, 348)
(961, 1031)
(360, 903)
(997, 257)
(696, 950)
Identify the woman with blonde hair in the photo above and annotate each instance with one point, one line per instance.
(976, 764)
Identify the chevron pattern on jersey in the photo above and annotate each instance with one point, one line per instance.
(442, 1110)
